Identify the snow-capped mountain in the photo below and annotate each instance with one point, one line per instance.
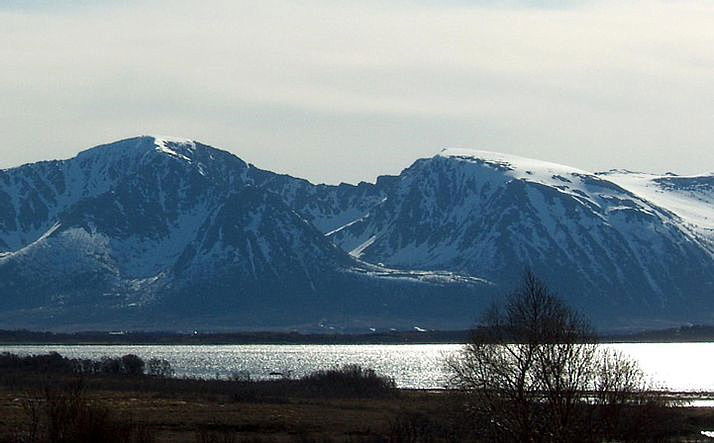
(619, 246)
(165, 233)
(157, 232)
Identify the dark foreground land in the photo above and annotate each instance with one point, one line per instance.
(52, 399)
(210, 417)
(137, 413)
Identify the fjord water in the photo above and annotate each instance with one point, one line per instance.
(673, 366)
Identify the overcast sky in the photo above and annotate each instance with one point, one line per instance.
(347, 90)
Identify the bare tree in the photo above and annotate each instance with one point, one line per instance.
(534, 371)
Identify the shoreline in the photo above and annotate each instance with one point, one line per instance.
(688, 334)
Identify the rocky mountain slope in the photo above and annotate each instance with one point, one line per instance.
(156, 233)
(618, 254)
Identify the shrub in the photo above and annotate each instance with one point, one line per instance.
(132, 365)
(129, 364)
(51, 362)
(110, 365)
(158, 367)
(242, 376)
(349, 381)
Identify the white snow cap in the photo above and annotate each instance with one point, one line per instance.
(163, 139)
(510, 161)
(167, 145)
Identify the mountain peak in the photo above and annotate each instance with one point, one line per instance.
(174, 146)
(144, 147)
(163, 139)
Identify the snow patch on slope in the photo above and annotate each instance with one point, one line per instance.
(144, 257)
(169, 145)
(694, 207)
(357, 252)
(433, 277)
(578, 184)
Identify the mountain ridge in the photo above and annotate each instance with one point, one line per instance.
(159, 229)
(164, 230)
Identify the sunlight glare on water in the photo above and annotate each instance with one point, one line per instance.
(411, 366)
(674, 366)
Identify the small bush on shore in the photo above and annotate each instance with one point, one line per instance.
(54, 363)
(51, 362)
(349, 381)
(158, 367)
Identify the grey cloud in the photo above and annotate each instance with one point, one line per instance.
(336, 90)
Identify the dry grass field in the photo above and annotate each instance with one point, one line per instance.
(194, 417)
(409, 416)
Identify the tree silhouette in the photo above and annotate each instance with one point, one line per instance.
(533, 371)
